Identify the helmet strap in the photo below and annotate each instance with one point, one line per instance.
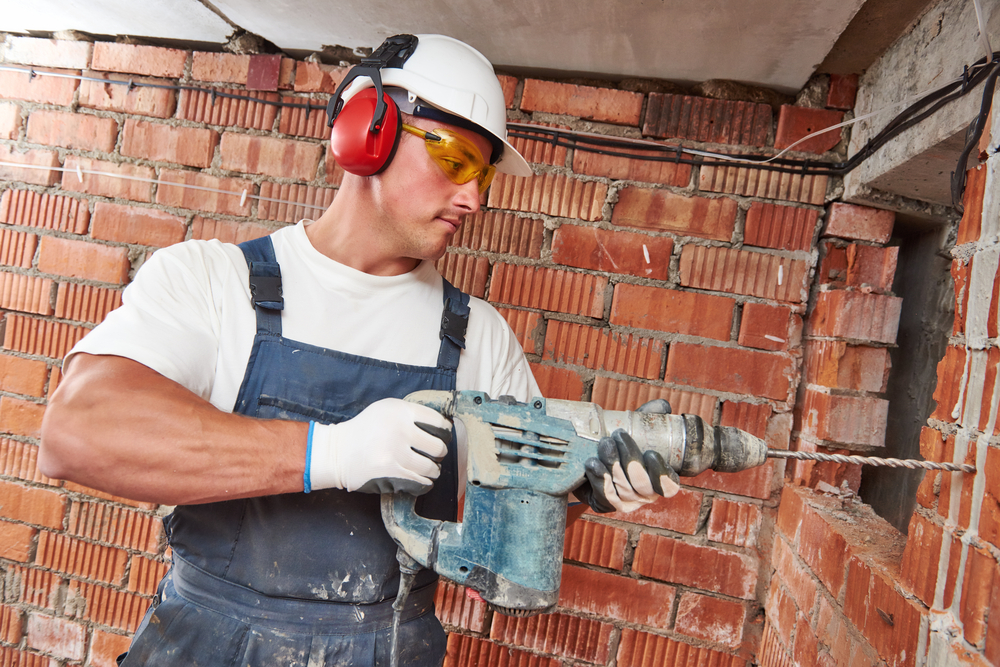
(393, 52)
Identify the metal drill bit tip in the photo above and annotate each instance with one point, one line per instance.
(871, 461)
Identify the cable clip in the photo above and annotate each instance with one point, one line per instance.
(213, 97)
(79, 173)
(243, 198)
(131, 85)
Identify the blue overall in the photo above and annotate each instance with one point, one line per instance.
(301, 579)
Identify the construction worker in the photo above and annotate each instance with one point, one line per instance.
(258, 387)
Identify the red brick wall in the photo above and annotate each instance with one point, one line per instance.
(625, 280)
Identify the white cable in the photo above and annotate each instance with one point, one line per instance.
(243, 195)
(983, 36)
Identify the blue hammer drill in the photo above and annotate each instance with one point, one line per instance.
(523, 461)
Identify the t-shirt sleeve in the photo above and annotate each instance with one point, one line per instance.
(169, 320)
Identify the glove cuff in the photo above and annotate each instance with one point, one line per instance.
(322, 466)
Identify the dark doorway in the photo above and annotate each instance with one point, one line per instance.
(923, 280)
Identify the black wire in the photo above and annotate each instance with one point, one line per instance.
(972, 135)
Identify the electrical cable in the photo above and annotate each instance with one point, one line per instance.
(926, 105)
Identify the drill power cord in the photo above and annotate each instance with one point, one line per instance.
(913, 464)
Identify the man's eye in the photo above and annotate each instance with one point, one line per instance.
(453, 164)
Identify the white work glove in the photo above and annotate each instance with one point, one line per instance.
(391, 446)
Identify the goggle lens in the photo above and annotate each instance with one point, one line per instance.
(457, 157)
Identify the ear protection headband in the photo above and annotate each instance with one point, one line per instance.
(366, 129)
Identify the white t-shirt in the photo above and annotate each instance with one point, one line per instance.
(188, 316)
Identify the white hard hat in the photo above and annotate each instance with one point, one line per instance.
(454, 77)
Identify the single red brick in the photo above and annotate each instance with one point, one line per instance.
(595, 543)
(468, 651)
(642, 649)
(318, 78)
(550, 194)
(555, 382)
(22, 376)
(782, 227)
(612, 394)
(41, 507)
(548, 289)
(848, 420)
(85, 303)
(506, 233)
(610, 595)
(20, 417)
(99, 177)
(666, 211)
(192, 146)
(281, 158)
(82, 559)
(509, 86)
(156, 100)
(989, 516)
(806, 649)
(708, 120)
(10, 624)
(850, 221)
(843, 91)
(142, 226)
(991, 650)
(615, 252)
(27, 294)
(795, 123)
(871, 267)
(219, 67)
(730, 369)
(632, 169)
(61, 53)
(233, 200)
(736, 523)
(30, 158)
(766, 327)
(950, 371)
(10, 121)
(890, 621)
(805, 189)
(977, 589)
(71, 130)
(603, 349)
(562, 634)
(105, 648)
(229, 106)
(749, 417)
(835, 364)
(16, 541)
(542, 151)
(856, 316)
(79, 259)
(971, 225)
(144, 574)
(56, 636)
(711, 619)
(34, 86)
(833, 265)
(716, 570)
(657, 309)
(611, 106)
(919, 567)
(467, 272)
(138, 59)
(759, 274)
(680, 513)
(454, 606)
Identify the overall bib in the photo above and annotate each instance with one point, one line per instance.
(301, 579)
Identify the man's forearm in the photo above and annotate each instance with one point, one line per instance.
(118, 426)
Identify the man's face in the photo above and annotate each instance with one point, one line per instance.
(420, 209)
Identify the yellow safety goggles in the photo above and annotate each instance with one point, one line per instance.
(458, 157)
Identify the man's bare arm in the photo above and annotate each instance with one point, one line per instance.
(120, 427)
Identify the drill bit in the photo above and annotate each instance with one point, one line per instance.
(871, 460)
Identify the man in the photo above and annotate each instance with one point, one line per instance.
(258, 387)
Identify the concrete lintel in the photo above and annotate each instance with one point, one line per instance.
(917, 164)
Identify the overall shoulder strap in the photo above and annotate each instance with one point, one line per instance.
(265, 283)
(454, 322)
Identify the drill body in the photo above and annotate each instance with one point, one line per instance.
(523, 461)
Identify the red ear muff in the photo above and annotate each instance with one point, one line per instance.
(356, 148)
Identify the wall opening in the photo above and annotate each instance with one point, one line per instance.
(923, 280)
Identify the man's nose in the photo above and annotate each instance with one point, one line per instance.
(468, 196)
